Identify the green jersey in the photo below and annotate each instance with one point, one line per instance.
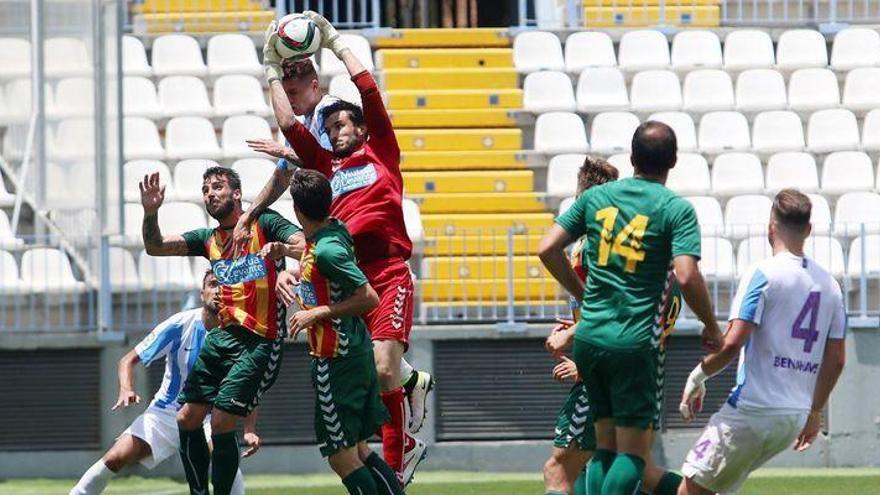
(634, 228)
(330, 275)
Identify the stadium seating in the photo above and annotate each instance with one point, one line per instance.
(709, 215)
(588, 49)
(655, 91)
(165, 273)
(792, 170)
(611, 132)
(746, 215)
(777, 130)
(18, 99)
(10, 281)
(15, 57)
(623, 164)
(690, 176)
(238, 95)
(560, 173)
(232, 54)
(832, 130)
(854, 48)
(74, 97)
(6, 198)
(66, 57)
(74, 140)
(854, 211)
(134, 58)
(8, 240)
(601, 89)
(820, 215)
(177, 55)
(548, 91)
(760, 89)
(560, 132)
(707, 90)
(696, 49)
(140, 99)
(748, 49)
(643, 50)
(537, 50)
(48, 271)
(870, 246)
(343, 88)
(860, 89)
(737, 173)
(331, 66)
(182, 96)
(723, 131)
(813, 89)
(847, 171)
(191, 137)
(717, 261)
(871, 131)
(188, 179)
(236, 130)
(801, 48)
(134, 172)
(141, 139)
(751, 251)
(828, 252)
(254, 173)
(683, 126)
(123, 271)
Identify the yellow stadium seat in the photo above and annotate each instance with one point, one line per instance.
(501, 117)
(444, 38)
(534, 289)
(481, 267)
(471, 245)
(410, 99)
(166, 6)
(466, 224)
(393, 79)
(468, 182)
(205, 22)
(462, 160)
(473, 58)
(459, 139)
(697, 16)
(511, 202)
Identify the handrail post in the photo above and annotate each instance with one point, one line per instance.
(511, 324)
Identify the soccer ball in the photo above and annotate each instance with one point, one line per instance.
(298, 36)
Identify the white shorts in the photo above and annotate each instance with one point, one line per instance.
(158, 427)
(734, 444)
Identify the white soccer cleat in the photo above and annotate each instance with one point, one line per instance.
(417, 400)
(416, 453)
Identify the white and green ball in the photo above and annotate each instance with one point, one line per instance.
(298, 36)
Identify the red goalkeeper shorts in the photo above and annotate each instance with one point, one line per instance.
(392, 318)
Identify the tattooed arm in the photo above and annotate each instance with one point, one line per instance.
(152, 196)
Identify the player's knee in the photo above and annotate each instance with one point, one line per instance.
(345, 462)
(385, 373)
(188, 419)
(223, 422)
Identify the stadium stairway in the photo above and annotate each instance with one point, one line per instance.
(454, 96)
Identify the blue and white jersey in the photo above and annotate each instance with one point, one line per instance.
(314, 122)
(796, 305)
(179, 339)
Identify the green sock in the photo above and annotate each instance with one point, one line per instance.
(224, 462)
(196, 458)
(360, 482)
(668, 484)
(383, 475)
(580, 484)
(625, 475)
(598, 469)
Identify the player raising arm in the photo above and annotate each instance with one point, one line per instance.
(788, 327)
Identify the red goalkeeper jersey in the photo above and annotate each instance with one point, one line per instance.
(367, 185)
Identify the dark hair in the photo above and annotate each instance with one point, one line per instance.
(792, 210)
(299, 70)
(231, 176)
(208, 273)
(311, 194)
(654, 148)
(595, 171)
(354, 112)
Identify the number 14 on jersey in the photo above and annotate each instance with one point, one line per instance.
(627, 243)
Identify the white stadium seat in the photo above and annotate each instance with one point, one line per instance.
(601, 89)
(860, 89)
(871, 131)
(412, 220)
(820, 215)
(47, 270)
(708, 90)
(343, 88)
(74, 97)
(178, 55)
(537, 50)
(14, 140)
(10, 281)
(188, 179)
(6, 198)
(123, 271)
(191, 137)
(75, 140)
(134, 57)
(683, 126)
(777, 130)
(587, 49)
(8, 240)
(237, 130)
(716, 258)
(655, 91)
(847, 171)
(690, 176)
(239, 95)
(747, 215)
(792, 170)
(855, 47)
(360, 47)
(66, 57)
(723, 131)
(801, 48)
(696, 49)
(141, 139)
(560, 132)
(813, 89)
(179, 217)
(254, 173)
(737, 173)
(623, 163)
(561, 173)
(565, 204)
(165, 272)
(832, 130)
(611, 132)
(182, 96)
(548, 91)
(133, 218)
(759, 90)
(139, 98)
(285, 208)
(827, 252)
(643, 49)
(751, 251)
(134, 172)
(18, 99)
(855, 209)
(232, 53)
(709, 214)
(15, 57)
(748, 49)
(870, 245)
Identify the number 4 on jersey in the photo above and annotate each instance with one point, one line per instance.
(631, 233)
(809, 334)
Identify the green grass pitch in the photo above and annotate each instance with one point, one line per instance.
(763, 482)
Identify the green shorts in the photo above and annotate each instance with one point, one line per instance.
(348, 408)
(234, 368)
(625, 386)
(574, 423)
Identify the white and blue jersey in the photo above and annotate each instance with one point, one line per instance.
(179, 339)
(315, 124)
(796, 305)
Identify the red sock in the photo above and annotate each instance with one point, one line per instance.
(393, 431)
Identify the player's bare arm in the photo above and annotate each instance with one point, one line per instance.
(251, 439)
(270, 193)
(363, 299)
(561, 337)
(125, 372)
(832, 366)
(155, 244)
(551, 250)
(693, 288)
